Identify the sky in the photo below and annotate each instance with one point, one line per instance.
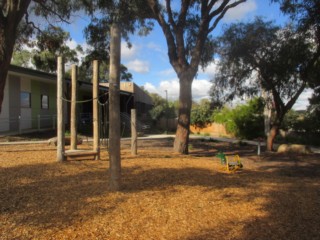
(148, 61)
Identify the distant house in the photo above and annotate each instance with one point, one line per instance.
(30, 100)
(142, 101)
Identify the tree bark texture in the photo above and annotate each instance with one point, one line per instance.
(183, 129)
(271, 136)
(10, 17)
(114, 109)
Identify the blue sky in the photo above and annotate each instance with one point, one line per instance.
(148, 62)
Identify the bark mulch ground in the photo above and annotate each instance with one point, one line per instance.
(165, 195)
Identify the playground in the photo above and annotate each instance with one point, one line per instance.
(165, 195)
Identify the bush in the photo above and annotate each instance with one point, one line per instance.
(244, 121)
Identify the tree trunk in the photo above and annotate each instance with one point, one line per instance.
(6, 45)
(267, 111)
(271, 136)
(185, 101)
(114, 109)
(9, 21)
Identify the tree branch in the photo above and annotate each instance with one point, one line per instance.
(170, 17)
(222, 11)
(49, 10)
(172, 49)
(31, 23)
(293, 100)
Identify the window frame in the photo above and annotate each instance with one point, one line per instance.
(44, 103)
(23, 99)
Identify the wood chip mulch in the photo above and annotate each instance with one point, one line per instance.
(165, 195)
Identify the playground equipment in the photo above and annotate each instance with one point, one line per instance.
(62, 154)
(230, 165)
(73, 152)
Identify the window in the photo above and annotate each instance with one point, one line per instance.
(44, 101)
(25, 99)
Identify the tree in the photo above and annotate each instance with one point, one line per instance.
(18, 20)
(21, 58)
(201, 113)
(305, 14)
(161, 108)
(112, 20)
(50, 43)
(187, 33)
(258, 55)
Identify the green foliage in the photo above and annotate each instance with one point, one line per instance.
(244, 121)
(51, 43)
(21, 58)
(305, 14)
(291, 120)
(161, 108)
(201, 113)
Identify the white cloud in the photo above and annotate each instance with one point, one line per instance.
(166, 72)
(200, 89)
(155, 47)
(303, 102)
(210, 70)
(71, 44)
(138, 66)
(240, 11)
(128, 53)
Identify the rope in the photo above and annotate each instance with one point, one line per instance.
(88, 100)
(106, 102)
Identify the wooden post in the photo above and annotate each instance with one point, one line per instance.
(60, 110)
(133, 132)
(114, 109)
(95, 86)
(73, 121)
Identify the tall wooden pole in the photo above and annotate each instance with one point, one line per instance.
(73, 122)
(95, 86)
(134, 135)
(114, 109)
(60, 110)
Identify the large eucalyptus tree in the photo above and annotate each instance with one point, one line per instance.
(187, 30)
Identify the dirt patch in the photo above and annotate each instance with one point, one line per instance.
(165, 195)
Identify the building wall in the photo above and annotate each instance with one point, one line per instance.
(14, 117)
(14, 101)
(39, 88)
(26, 113)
